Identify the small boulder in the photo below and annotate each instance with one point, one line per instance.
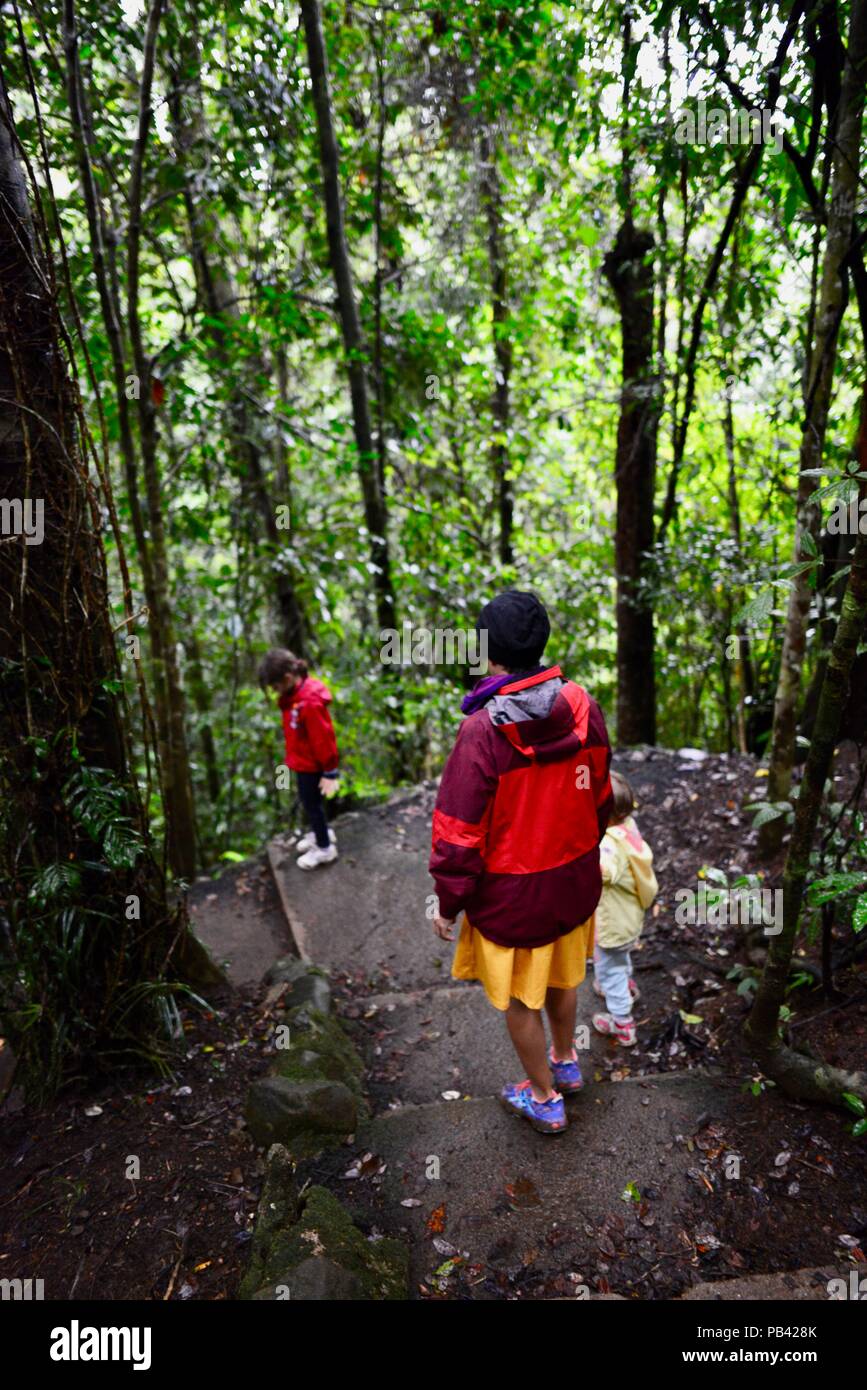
(279, 1108)
(308, 987)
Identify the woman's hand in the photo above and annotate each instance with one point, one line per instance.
(328, 786)
(444, 928)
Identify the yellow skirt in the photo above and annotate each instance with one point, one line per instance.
(522, 972)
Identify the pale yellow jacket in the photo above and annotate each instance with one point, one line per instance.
(628, 885)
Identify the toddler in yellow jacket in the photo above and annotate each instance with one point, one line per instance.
(628, 888)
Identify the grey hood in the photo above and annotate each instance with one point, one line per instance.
(534, 702)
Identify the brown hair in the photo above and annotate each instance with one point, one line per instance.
(277, 663)
(624, 798)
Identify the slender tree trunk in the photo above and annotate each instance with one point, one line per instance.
(748, 169)
(831, 307)
(798, 1074)
(177, 781)
(743, 664)
(628, 267)
(498, 270)
(742, 661)
(372, 493)
(629, 270)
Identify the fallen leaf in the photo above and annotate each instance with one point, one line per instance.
(522, 1193)
(436, 1222)
(443, 1247)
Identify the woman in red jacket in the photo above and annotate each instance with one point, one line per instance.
(311, 746)
(522, 806)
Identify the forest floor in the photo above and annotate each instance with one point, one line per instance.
(634, 1199)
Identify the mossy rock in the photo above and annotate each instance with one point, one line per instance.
(313, 1033)
(277, 1211)
(308, 985)
(302, 1260)
(280, 1110)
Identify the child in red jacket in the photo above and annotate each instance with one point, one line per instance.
(311, 746)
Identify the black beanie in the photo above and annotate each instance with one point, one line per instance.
(517, 627)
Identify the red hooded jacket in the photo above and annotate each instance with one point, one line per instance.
(311, 744)
(522, 806)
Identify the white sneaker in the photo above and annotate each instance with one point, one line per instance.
(316, 856)
(309, 840)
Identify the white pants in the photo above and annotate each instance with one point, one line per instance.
(613, 968)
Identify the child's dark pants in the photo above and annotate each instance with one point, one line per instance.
(314, 805)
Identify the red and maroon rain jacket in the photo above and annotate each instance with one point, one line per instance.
(311, 744)
(522, 806)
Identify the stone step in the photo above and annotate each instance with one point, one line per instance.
(795, 1286)
(366, 912)
(419, 1043)
(535, 1211)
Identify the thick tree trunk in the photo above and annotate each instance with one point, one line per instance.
(798, 1074)
(372, 493)
(831, 306)
(500, 405)
(74, 848)
(628, 268)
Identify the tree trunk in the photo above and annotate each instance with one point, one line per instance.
(498, 271)
(628, 268)
(747, 173)
(798, 1074)
(341, 268)
(177, 781)
(831, 306)
(74, 846)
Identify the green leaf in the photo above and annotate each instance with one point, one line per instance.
(859, 915)
(716, 876)
(758, 610)
(855, 1103)
(833, 886)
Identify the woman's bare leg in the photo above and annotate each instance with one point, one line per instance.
(528, 1039)
(561, 1006)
